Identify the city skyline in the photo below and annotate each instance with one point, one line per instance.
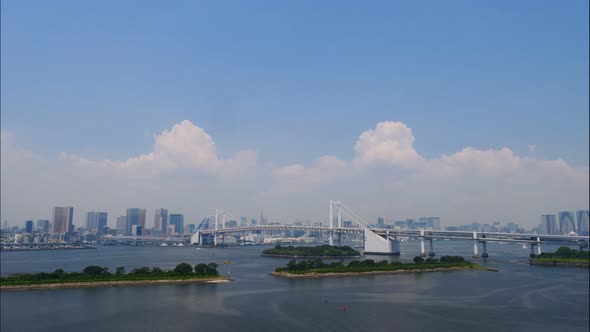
(413, 113)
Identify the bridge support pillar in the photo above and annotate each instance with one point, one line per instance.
(422, 249)
(533, 245)
(215, 239)
(484, 249)
(339, 239)
(196, 238)
(331, 238)
(475, 252)
(378, 245)
(431, 252)
(538, 245)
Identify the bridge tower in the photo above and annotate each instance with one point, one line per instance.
(335, 205)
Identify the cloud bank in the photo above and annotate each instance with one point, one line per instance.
(387, 176)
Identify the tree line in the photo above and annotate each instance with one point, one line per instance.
(94, 272)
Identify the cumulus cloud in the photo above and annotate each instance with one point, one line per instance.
(532, 147)
(184, 146)
(390, 143)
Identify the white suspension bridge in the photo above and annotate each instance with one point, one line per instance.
(380, 241)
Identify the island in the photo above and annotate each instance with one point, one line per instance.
(564, 257)
(97, 276)
(316, 268)
(323, 251)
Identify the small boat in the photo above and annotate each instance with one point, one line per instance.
(163, 244)
(524, 246)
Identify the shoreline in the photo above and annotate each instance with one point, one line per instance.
(372, 273)
(114, 283)
(42, 249)
(308, 257)
(560, 264)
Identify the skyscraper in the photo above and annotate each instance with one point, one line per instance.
(161, 220)
(548, 224)
(63, 219)
(96, 221)
(583, 216)
(29, 226)
(42, 226)
(135, 216)
(177, 220)
(263, 220)
(567, 222)
(122, 225)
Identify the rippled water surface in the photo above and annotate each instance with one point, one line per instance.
(518, 298)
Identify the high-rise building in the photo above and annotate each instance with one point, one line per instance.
(434, 223)
(122, 225)
(135, 216)
(567, 222)
(161, 220)
(177, 220)
(263, 221)
(29, 226)
(96, 221)
(380, 222)
(42, 226)
(63, 219)
(136, 230)
(549, 224)
(583, 216)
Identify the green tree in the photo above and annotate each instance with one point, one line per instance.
(183, 268)
(94, 270)
(120, 270)
(418, 260)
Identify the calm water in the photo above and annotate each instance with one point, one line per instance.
(518, 298)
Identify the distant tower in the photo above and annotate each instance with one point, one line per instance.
(262, 219)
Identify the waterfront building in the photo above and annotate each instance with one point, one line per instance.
(177, 220)
(583, 217)
(161, 220)
(122, 225)
(29, 226)
(566, 222)
(263, 221)
(136, 230)
(135, 216)
(63, 219)
(549, 224)
(42, 226)
(96, 221)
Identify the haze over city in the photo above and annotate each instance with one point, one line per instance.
(281, 115)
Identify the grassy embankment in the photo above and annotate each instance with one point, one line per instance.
(90, 274)
(317, 267)
(564, 256)
(323, 251)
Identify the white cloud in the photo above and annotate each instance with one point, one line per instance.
(184, 146)
(390, 143)
(532, 148)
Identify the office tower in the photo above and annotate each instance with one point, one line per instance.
(135, 216)
(42, 226)
(243, 221)
(380, 222)
(177, 220)
(96, 221)
(583, 216)
(29, 226)
(263, 220)
(566, 222)
(122, 225)
(63, 219)
(161, 220)
(136, 230)
(434, 223)
(549, 224)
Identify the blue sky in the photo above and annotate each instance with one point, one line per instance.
(296, 80)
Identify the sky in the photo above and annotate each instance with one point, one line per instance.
(469, 110)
